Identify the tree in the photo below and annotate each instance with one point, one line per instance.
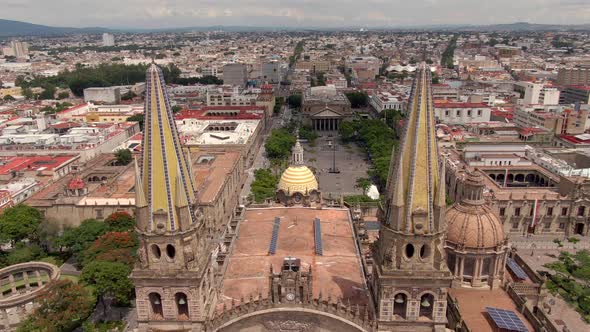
(123, 156)
(264, 185)
(9, 98)
(137, 118)
(109, 280)
(48, 92)
(294, 101)
(62, 307)
(117, 247)
(28, 93)
(357, 99)
(19, 222)
(63, 95)
(176, 109)
(306, 132)
(120, 222)
(363, 183)
(78, 239)
(279, 144)
(128, 95)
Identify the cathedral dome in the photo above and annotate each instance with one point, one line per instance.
(474, 226)
(471, 223)
(298, 179)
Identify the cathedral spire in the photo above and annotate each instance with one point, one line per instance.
(417, 184)
(165, 165)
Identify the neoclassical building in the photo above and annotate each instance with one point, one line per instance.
(476, 245)
(298, 185)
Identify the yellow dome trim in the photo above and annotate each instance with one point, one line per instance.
(298, 179)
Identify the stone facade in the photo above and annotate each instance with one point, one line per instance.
(410, 275)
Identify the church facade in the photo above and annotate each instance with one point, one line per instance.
(180, 287)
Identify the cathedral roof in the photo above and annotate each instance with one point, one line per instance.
(165, 175)
(474, 226)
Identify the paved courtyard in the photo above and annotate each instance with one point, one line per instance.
(351, 161)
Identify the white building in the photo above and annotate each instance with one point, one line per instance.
(537, 94)
(462, 113)
(108, 39)
(209, 71)
(384, 100)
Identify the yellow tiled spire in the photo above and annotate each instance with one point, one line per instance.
(416, 185)
(165, 166)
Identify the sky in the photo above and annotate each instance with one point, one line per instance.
(291, 13)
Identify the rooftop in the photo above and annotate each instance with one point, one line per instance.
(472, 304)
(337, 272)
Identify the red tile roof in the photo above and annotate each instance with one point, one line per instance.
(33, 163)
(76, 183)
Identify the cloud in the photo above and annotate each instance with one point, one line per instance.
(326, 13)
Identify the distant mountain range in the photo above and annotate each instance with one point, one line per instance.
(10, 28)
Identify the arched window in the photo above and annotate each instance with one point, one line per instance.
(181, 306)
(426, 305)
(581, 211)
(156, 305)
(400, 305)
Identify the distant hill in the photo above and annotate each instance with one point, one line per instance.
(10, 28)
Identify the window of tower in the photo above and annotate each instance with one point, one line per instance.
(424, 251)
(400, 305)
(156, 252)
(409, 250)
(181, 306)
(426, 306)
(156, 306)
(170, 251)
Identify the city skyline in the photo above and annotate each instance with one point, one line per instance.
(293, 13)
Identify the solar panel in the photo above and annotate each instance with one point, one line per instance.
(272, 249)
(516, 269)
(317, 232)
(506, 319)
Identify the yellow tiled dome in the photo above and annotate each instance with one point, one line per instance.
(298, 179)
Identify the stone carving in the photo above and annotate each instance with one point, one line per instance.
(141, 254)
(287, 325)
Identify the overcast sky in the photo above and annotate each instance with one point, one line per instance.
(291, 13)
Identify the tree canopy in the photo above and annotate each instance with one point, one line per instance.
(19, 222)
(264, 185)
(120, 222)
(63, 306)
(377, 138)
(294, 101)
(109, 279)
(279, 144)
(79, 238)
(357, 99)
(123, 156)
(117, 247)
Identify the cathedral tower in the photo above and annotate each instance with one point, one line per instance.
(410, 275)
(173, 278)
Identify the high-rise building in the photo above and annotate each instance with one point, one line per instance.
(410, 274)
(272, 72)
(235, 74)
(574, 76)
(17, 49)
(173, 279)
(108, 39)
